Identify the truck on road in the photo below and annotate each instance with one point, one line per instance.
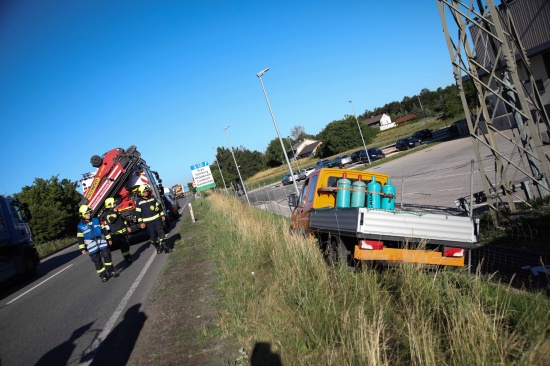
(18, 256)
(119, 174)
(370, 235)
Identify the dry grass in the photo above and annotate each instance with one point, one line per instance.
(276, 289)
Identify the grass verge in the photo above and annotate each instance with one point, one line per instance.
(279, 300)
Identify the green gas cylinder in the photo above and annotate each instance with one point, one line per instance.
(373, 196)
(344, 192)
(358, 192)
(387, 202)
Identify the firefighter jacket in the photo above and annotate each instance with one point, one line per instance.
(115, 223)
(148, 210)
(90, 235)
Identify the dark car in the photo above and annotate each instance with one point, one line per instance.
(422, 135)
(355, 156)
(325, 163)
(407, 143)
(374, 154)
(172, 207)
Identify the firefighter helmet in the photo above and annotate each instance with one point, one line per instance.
(85, 209)
(110, 202)
(144, 188)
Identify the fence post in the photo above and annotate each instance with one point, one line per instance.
(191, 212)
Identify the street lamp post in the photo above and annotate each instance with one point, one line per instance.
(237, 165)
(293, 153)
(361, 132)
(219, 168)
(259, 75)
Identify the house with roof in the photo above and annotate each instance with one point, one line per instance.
(381, 121)
(303, 149)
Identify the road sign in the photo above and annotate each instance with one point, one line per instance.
(202, 176)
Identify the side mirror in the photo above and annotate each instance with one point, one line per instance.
(292, 201)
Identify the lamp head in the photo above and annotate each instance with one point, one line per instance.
(261, 73)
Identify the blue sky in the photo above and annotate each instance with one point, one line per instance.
(79, 78)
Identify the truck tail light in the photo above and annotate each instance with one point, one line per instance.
(453, 252)
(371, 244)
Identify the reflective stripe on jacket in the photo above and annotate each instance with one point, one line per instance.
(116, 224)
(148, 210)
(90, 235)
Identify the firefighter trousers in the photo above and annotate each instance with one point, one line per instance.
(156, 233)
(103, 262)
(121, 241)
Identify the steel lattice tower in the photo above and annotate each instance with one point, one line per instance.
(493, 70)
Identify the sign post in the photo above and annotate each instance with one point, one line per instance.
(202, 176)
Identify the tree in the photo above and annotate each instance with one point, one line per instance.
(298, 133)
(54, 208)
(250, 163)
(342, 135)
(274, 154)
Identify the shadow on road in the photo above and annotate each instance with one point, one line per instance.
(115, 350)
(61, 354)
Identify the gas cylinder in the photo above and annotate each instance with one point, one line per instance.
(373, 197)
(344, 192)
(387, 202)
(358, 193)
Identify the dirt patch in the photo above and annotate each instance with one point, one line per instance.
(181, 312)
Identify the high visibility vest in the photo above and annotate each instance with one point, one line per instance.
(92, 233)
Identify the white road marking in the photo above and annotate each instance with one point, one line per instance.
(109, 325)
(47, 279)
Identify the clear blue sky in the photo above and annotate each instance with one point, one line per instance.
(79, 78)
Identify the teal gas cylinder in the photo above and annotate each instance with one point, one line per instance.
(344, 192)
(373, 198)
(358, 193)
(387, 202)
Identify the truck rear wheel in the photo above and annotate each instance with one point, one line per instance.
(337, 252)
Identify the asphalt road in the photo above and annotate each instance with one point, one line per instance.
(65, 314)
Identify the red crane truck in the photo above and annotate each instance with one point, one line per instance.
(119, 174)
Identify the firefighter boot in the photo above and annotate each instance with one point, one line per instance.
(128, 259)
(164, 245)
(110, 270)
(103, 274)
(158, 246)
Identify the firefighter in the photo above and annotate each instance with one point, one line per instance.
(116, 229)
(90, 236)
(151, 216)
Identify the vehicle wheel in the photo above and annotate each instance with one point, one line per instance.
(30, 265)
(337, 253)
(96, 161)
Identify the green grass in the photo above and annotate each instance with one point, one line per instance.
(276, 288)
(50, 247)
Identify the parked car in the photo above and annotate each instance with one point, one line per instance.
(289, 178)
(407, 143)
(355, 156)
(172, 207)
(325, 163)
(374, 154)
(423, 134)
(304, 173)
(341, 161)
